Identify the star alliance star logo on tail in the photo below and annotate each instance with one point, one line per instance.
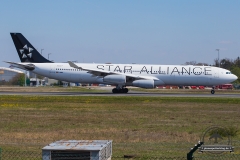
(26, 52)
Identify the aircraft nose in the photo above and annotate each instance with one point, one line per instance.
(234, 77)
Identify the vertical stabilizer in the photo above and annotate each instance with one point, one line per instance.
(26, 52)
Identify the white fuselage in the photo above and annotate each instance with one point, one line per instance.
(167, 74)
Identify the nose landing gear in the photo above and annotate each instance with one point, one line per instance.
(213, 91)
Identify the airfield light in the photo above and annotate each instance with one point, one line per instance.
(48, 55)
(218, 57)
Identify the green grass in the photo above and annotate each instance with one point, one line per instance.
(189, 91)
(52, 89)
(145, 126)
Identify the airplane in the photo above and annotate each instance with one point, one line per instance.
(120, 75)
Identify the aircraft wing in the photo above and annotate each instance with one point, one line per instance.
(98, 72)
(27, 66)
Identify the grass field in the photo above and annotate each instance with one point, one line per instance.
(187, 91)
(144, 126)
(51, 89)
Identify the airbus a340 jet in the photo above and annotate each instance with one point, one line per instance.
(120, 75)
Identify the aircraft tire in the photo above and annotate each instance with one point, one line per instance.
(114, 90)
(125, 90)
(212, 91)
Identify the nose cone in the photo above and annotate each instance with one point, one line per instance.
(234, 77)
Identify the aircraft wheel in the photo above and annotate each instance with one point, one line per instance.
(114, 90)
(120, 91)
(212, 91)
(125, 90)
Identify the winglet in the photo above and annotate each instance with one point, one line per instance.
(73, 65)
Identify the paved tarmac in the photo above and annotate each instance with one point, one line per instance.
(131, 93)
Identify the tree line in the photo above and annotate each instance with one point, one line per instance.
(18, 80)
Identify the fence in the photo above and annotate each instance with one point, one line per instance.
(17, 155)
(26, 155)
(37, 155)
(12, 149)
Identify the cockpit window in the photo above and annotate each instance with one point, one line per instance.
(228, 73)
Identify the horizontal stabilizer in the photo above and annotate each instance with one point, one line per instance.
(28, 67)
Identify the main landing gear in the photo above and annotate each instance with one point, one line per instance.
(213, 91)
(120, 90)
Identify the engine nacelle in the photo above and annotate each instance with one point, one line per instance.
(143, 83)
(116, 78)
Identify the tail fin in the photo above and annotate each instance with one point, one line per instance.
(26, 52)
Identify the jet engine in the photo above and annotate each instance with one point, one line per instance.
(143, 83)
(115, 78)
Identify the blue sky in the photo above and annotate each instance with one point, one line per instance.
(124, 31)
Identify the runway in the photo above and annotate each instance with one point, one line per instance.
(131, 93)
